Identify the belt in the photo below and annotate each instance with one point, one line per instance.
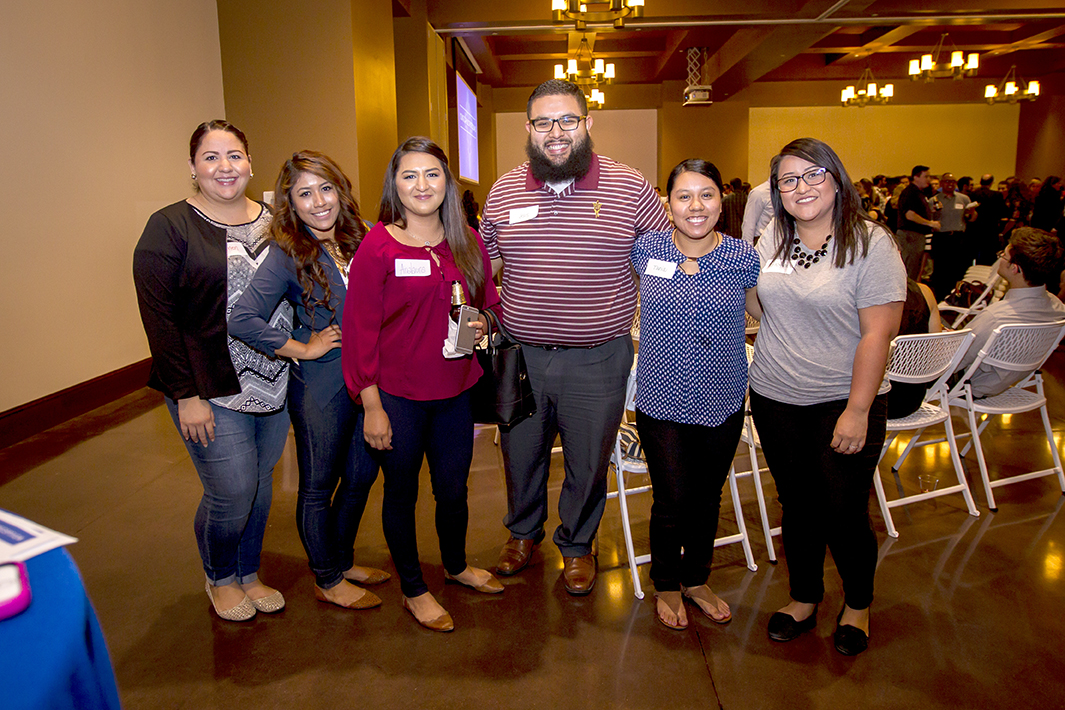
(564, 347)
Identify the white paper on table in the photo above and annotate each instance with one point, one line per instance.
(21, 539)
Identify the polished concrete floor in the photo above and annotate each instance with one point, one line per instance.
(967, 611)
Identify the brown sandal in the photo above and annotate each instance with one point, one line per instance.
(661, 597)
(717, 602)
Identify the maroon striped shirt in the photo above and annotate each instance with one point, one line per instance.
(566, 276)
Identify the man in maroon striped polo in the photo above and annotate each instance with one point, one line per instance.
(562, 226)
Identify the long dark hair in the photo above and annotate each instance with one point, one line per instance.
(290, 233)
(459, 238)
(850, 223)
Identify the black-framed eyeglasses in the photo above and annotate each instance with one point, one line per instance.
(810, 177)
(566, 123)
(1002, 256)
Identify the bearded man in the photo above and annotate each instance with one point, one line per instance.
(562, 225)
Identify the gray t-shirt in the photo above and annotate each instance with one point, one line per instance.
(804, 353)
(952, 216)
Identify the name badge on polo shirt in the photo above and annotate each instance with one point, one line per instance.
(412, 267)
(778, 267)
(657, 267)
(523, 214)
(959, 206)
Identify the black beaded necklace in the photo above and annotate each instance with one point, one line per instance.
(804, 257)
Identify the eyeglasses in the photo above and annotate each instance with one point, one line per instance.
(810, 177)
(1002, 256)
(566, 123)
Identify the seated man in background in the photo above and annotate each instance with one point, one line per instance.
(1030, 262)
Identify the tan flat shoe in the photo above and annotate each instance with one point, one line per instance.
(491, 585)
(368, 600)
(367, 575)
(443, 623)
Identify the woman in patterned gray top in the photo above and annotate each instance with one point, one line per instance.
(192, 263)
(831, 293)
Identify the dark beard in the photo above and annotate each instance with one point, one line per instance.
(576, 166)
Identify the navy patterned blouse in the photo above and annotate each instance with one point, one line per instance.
(692, 367)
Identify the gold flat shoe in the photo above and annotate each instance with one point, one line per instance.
(443, 623)
(241, 612)
(270, 604)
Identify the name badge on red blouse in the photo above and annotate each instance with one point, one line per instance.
(412, 267)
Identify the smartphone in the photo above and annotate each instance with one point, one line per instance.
(14, 589)
(467, 338)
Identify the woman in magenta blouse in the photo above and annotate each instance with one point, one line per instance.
(416, 399)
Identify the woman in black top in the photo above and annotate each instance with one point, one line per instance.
(227, 400)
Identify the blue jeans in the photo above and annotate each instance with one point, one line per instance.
(236, 470)
(441, 431)
(330, 450)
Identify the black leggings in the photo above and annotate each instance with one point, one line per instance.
(824, 494)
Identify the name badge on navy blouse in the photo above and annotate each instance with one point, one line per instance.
(412, 267)
(776, 266)
(657, 267)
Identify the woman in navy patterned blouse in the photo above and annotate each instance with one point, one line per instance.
(691, 383)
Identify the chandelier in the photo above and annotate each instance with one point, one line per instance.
(1010, 91)
(613, 11)
(589, 76)
(869, 94)
(928, 67)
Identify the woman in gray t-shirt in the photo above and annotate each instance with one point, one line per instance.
(831, 292)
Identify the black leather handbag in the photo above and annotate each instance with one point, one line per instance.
(504, 394)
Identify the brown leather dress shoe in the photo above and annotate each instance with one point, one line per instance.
(579, 574)
(515, 556)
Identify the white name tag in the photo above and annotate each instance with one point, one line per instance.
(236, 249)
(778, 267)
(959, 206)
(523, 214)
(412, 267)
(657, 267)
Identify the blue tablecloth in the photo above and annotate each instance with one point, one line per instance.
(53, 654)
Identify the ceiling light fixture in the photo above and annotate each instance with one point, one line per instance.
(612, 11)
(595, 71)
(868, 93)
(1010, 89)
(928, 67)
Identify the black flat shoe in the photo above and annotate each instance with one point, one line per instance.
(850, 640)
(783, 627)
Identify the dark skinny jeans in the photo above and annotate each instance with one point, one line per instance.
(336, 474)
(441, 431)
(688, 465)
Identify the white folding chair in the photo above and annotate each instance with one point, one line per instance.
(627, 459)
(994, 290)
(915, 359)
(749, 437)
(1021, 348)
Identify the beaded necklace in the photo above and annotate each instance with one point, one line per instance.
(804, 257)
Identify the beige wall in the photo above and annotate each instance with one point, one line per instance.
(892, 139)
(99, 101)
(375, 95)
(288, 82)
